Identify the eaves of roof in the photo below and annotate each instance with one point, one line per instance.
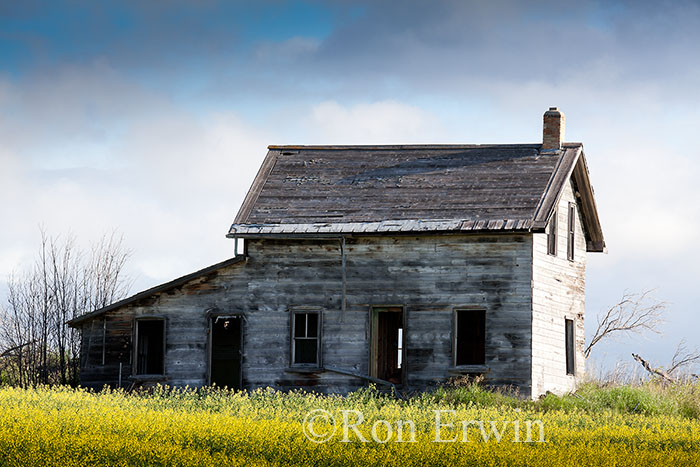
(180, 281)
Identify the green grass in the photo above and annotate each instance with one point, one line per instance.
(648, 398)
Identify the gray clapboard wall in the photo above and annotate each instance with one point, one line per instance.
(429, 275)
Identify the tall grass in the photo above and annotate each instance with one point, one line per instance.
(643, 397)
(649, 398)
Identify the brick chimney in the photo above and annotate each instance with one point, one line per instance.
(553, 130)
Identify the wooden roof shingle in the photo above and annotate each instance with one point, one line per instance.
(312, 190)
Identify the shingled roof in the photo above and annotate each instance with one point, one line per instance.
(312, 190)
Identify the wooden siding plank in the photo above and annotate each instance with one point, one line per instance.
(429, 275)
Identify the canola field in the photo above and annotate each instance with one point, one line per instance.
(62, 426)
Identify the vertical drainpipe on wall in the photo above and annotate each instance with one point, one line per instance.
(343, 266)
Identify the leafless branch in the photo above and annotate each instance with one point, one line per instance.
(16, 347)
(62, 283)
(656, 371)
(634, 313)
(683, 358)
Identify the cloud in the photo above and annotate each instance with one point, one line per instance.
(288, 52)
(105, 152)
(383, 122)
(455, 43)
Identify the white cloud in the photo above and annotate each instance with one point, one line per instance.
(168, 178)
(383, 122)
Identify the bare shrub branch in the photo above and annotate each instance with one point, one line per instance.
(62, 283)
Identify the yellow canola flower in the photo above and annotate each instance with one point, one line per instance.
(70, 427)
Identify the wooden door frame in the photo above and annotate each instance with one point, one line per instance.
(210, 331)
(374, 311)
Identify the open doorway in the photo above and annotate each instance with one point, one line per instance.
(387, 354)
(226, 349)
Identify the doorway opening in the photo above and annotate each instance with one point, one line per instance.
(387, 347)
(226, 349)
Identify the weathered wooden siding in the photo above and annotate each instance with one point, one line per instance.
(558, 294)
(107, 336)
(428, 275)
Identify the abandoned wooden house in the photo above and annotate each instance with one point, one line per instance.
(398, 264)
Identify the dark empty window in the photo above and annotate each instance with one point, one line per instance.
(470, 337)
(570, 232)
(552, 235)
(150, 340)
(305, 342)
(569, 337)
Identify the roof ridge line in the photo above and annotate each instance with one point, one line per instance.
(401, 146)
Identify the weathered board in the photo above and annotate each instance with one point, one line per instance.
(558, 294)
(428, 275)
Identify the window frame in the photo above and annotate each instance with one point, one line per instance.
(240, 247)
(552, 231)
(293, 339)
(570, 346)
(455, 336)
(135, 366)
(571, 232)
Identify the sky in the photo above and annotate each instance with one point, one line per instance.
(153, 117)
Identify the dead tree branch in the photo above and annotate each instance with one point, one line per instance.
(634, 313)
(683, 358)
(655, 371)
(16, 347)
(63, 282)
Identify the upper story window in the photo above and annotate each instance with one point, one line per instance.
(552, 234)
(570, 237)
(306, 326)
